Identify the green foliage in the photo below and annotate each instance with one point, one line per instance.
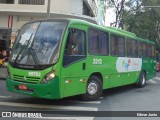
(139, 19)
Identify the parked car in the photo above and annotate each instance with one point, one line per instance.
(158, 67)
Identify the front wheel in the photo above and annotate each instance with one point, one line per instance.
(142, 80)
(93, 89)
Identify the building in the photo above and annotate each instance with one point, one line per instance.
(14, 13)
(101, 11)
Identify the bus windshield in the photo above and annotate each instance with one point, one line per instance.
(38, 43)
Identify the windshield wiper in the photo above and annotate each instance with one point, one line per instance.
(27, 44)
(34, 56)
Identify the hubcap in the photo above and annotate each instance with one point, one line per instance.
(92, 88)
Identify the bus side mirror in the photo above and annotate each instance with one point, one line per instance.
(3, 37)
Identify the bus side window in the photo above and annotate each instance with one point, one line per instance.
(117, 46)
(150, 51)
(142, 49)
(132, 48)
(153, 51)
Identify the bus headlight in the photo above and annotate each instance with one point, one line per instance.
(49, 77)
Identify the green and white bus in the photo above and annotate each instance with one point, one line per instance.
(59, 58)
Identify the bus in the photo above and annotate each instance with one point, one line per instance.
(57, 58)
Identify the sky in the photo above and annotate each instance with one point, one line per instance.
(110, 17)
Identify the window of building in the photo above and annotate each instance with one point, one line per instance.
(132, 48)
(142, 51)
(86, 11)
(32, 2)
(117, 46)
(98, 42)
(150, 51)
(7, 1)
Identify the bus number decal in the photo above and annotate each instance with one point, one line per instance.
(34, 74)
(97, 61)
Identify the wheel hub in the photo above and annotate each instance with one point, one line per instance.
(92, 88)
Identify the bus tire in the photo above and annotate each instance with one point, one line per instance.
(93, 89)
(142, 80)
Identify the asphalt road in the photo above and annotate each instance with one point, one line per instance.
(127, 98)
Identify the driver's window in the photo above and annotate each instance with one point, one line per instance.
(75, 49)
(75, 42)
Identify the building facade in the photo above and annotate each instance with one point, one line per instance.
(101, 11)
(15, 13)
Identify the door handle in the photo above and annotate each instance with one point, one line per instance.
(84, 66)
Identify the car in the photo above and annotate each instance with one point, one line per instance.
(158, 67)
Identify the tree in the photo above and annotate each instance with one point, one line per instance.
(133, 16)
(145, 23)
(118, 6)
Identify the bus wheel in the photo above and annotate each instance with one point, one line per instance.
(142, 80)
(93, 89)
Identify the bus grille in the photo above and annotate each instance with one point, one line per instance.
(33, 80)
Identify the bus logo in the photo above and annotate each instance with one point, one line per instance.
(24, 78)
(128, 64)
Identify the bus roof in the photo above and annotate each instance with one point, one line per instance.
(111, 30)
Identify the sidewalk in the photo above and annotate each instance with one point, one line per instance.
(3, 72)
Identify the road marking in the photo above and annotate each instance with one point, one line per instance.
(157, 78)
(67, 118)
(92, 102)
(152, 81)
(5, 96)
(48, 106)
(101, 98)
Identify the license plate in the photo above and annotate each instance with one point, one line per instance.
(23, 87)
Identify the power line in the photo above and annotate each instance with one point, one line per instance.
(152, 6)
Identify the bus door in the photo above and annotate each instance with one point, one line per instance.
(74, 62)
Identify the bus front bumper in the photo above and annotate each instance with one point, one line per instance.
(49, 90)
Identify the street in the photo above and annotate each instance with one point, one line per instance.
(126, 98)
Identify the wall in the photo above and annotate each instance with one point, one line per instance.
(23, 8)
(67, 6)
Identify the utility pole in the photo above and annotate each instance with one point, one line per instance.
(48, 9)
